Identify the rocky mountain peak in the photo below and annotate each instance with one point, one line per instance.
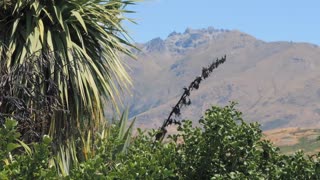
(178, 44)
(156, 44)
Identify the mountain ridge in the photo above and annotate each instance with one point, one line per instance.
(275, 83)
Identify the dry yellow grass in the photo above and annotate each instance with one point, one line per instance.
(292, 139)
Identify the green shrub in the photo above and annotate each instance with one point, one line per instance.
(20, 161)
(226, 147)
(223, 147)
(146, 159)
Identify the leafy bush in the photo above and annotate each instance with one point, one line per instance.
(223, 147)
(228, 148)
(108, 144)
(20, 161)
(147, 159)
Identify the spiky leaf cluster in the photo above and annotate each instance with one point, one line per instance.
(84, 38)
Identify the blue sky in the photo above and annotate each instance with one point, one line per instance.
(268, 20)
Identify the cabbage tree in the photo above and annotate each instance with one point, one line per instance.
(80, 41)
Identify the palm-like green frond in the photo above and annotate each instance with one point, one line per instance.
(84, 39)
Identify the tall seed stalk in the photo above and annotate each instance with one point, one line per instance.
(185, 100)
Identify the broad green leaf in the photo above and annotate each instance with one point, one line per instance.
(41, 29)
(12, 146)
(49, 40)
(79, 18)
(128, 135)
(123, 124)
(14, 27)
(59, 16)
(10, 124)
(25, 146)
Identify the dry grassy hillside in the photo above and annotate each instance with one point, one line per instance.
(291, 140)
(275, 83)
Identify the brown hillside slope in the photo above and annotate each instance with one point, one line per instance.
(276, 83)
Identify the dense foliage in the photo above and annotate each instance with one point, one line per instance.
(70, 50)
(60, 67)
(224, 147)
(59, 60)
